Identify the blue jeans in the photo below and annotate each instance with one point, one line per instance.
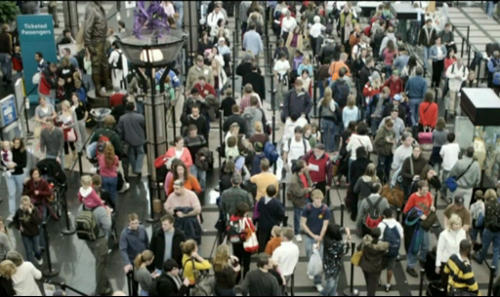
(297, 214)
(309, 249)
(6, 66)
(321, 86)
(331, 284)
(414, 103)
(32, 247)
(375, 122)
(109, 184)
(427, 51)
(201, 175)
(488, 238)
(15, 189)
(489, 10)
(424, 248)
(136, 157)
(329, 130)
(474, 232)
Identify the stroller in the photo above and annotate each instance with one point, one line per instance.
(53, 173)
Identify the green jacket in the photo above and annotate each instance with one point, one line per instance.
(381, 145)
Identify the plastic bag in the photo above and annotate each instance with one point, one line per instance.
(315, 265)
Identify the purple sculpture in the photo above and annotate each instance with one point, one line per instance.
(151, 20)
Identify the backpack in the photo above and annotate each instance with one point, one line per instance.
(119, 64)
(373, 218)
(492, 216)
(270, 152)
(236, 230)
(101, 143)
(204, 281)
(86, 225)
(391, 235)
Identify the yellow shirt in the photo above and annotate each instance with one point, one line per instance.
(263, 180)
(188, 267)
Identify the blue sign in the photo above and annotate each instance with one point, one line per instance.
(36, 34)
(8, 108)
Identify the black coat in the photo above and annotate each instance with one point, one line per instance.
(257, 81)
(238, 119)
(157, 246)
(6, 287)
(165, 286)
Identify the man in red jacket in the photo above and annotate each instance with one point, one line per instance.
(320, 167)
(204, 88)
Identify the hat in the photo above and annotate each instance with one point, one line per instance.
(398, 97)
(320, 146)
(459, 200)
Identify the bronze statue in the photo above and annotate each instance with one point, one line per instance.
(94, 37)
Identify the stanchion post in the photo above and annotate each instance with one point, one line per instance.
(173, 122)
(315, 93)
(342, 209)
(220, 136)
(151, 218)
(421, 286)
(50, 271)
(80, 166)
(493, 271)
(234, 64)
(398, 214)
(69, 230)
(350, 291)
(284, 194)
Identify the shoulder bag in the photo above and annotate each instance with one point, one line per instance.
(451, 182)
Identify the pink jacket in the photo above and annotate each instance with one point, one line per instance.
(185, 157)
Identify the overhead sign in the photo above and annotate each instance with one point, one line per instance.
(36, 34)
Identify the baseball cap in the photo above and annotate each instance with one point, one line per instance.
(459, 200)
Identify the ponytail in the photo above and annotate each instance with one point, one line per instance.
(142, 258)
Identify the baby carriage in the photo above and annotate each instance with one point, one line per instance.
(53, 173)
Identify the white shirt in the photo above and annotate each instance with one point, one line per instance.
(296, 149)
(288, 130)
(449, 152)
(448, 245)
(288, 24)
(213, 18)
(315, 30)
(281, 66)
(390, 223)
(287, 257)
(356, 141)
(114, 57)
(400, 155)
(24, 280)
(476, 209)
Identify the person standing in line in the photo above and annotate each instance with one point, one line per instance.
(449, 153)
(26, 276)
(299, 189)
(374, 251)
(271, 213)
(165, 242)
(415, 88)
(15, 161)
(27, 220)
(133, 241)
(260, 282)
(391, 232)
(131, 129)
(6, 51)
(461, 276)
(287, 254)
(7, 270)
(142, 274)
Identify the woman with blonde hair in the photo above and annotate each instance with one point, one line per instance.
(350, 113)
(449, 244)
(108, 169)
(7, 270)
(68, 122)
(226, 268)
(142, 274)
(28, 220)
(329, 119)
(192, 261)
(259, 135)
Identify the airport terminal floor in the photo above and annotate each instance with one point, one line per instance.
(377, 121)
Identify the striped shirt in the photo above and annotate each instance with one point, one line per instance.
(461, 276)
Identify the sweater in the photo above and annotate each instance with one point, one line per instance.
(461, 275)
(423, 203)
(188, 199)
(428, 114)
(448, 245)
(105, 170)
(232, 197)
(132, 242)
(270, 214)
(272, 245)
(470, 178)
(356, 141)
(131, 128)
(364, 207)
(29, 222)
(51, 142)
(144, 278)
(296, 191)
(400, 155)
(190, 184)
(263, 180)
(24, 280)
(189, 266)
(418, 167)
(259, 283)
(350, 115)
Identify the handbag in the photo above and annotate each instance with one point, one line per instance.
(315, 264)
(451, 182)
(429, 221)
(251, 244)
(425, 137)
(71, 135)
(356, 258)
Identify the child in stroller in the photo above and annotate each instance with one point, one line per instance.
(51, 171)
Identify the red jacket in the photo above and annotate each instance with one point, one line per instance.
(428, 113)
(368, 91)
(423, 203)
(323, 166)
(185, 158)
(396, 86)
(207, 87)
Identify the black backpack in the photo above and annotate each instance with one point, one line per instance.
(119, 64)
(492, 216)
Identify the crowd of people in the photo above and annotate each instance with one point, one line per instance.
(375, 130)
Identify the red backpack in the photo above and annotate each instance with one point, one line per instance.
(374, 217)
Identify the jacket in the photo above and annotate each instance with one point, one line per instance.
(428, 114)
(396, 86)
(95, 28)
(157, 246)
(114, 138)
(257, 81)
(469, 179)
(43, 191)
(461, 276)
(364, 207)
(195, 72)
(427, 37)
(232, 197)
(416, 87)
(186, 157)
(448, 245)
(372, 260)
(166, 286)
(456, 76)
(418, 167)
(189, 267)
(324, 172)
(131, 128)
(333, 251)
(335, 69)
(296, 104)
(381, 145)
(296, 191)
(132, 243)
(433, 53)
(29, 222)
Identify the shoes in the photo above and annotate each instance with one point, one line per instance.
(311, 277)
(39, 261)
(298, 238)
(412, 272)
(125, 188)
(388, 287)
(319, 288)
